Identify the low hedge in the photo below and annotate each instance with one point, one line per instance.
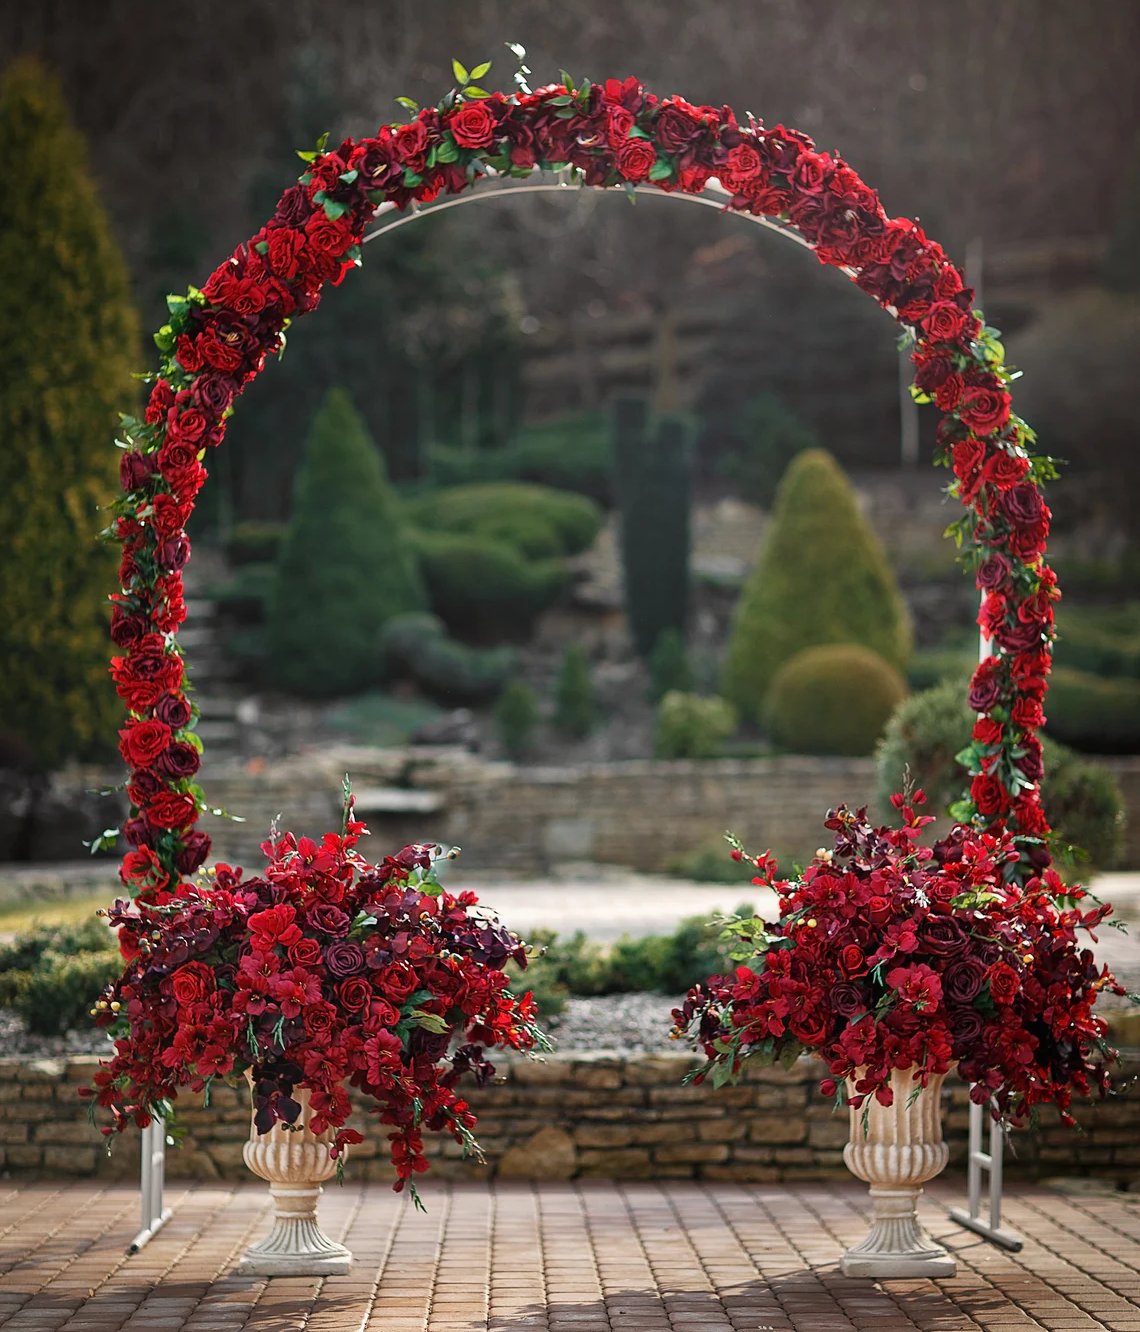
(834, 699)
(537, 521)
(52, 974)
(416, 647)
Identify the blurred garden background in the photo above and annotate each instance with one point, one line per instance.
(626, 514)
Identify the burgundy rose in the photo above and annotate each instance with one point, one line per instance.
(354, 994)
(320, 1021)
(1018, 637)
(1023, 506)
(397, 981)
(179, 760)
(811, 172)
(173, 553)
(993, 572)
(986, 685)
(810, 1026)
(141, 742)
(293, 208)
(136, 469)
(143, 786)
(944, 937)
(635, 159)
(344, 958)
(127, 628)
(1031, 762)
(137, 832)
(966, 1026)
(195, 849)
(329, 919)
(472, 125)
(212, 392)
(847, 999)
(173, 709)
(676, 127)
(985, 410)
(963, 980)
(944, 322)
(932, 371)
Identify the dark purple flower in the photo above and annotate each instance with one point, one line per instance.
(1022, 505)
(993, 572)
(212, 392)
(195, 849)
(944, 937)
(173, 553)
(174, 710)
(962, 982)
(967, 1027)
(178, 760)
(847, 999)
(329, 919)
(344, 958)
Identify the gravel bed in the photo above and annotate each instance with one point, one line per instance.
(634, 1023)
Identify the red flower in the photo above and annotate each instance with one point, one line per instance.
(141, 742)
(985, 410)
(944, 322)
(276, 925)
(472, 125)
(1004, 983)
(635, 159)
(192, 983)
(990, 796)
(172, 809)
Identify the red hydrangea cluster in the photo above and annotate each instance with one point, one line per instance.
(607, 134)
(325, 972)
(891, 955)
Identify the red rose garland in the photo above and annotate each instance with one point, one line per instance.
(608, 134)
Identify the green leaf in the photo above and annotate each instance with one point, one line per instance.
(475, 93)
(447, 151)
(662, 169)
(461, 75)
(334, 209)
(429, 1021)
(307, 155)
(566, 80)
(408, 104)
(411, 179)
(322, 142)
(637, 133)
(480, 70)
(349, 176)
(262, 247)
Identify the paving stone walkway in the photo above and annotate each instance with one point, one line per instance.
(653, 1257)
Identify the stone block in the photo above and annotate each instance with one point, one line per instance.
(12, 1131)
(696, 1153)
(828, 1132)
(658, 1070)
(23, 1157)
(70, 1160)
(628, 1163)
(62, 1133)
(722, 1130)
(49, 1071)
(548, 1154)
(226, 1156)
(600, 1074)
(778, 1129)
(549, 1072)
(605, 1135)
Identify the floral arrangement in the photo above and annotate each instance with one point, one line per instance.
(888, 954)
(326, 972)
(613, 134)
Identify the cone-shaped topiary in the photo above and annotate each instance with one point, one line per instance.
(834, 699)
(345, 566)
(516, 716)
(822, 577)
(575, 707)
(67, 347)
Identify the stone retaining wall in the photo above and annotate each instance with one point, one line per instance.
(574, 1116)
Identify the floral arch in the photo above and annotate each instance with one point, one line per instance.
(611, 135)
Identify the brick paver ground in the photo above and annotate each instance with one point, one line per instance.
(595, 1257)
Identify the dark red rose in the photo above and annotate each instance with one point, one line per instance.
(328, 237)
(944, 322)
(966, 1026)
(293, 208)
(962, 981)
(159, 403)
(879, 910)
(286, 247)
(171, 809)
(190, 425)
(472, 125)
(948, 283)
(619, 121)
(143, 786)
(987, 731)
(985, 410)
(677, 125)
(931, 370)
(988, 793)
(1019, 636)
(173, 709)
(770, 200)
(174, 457)
(1027, 543)
(138, 832)
(410, 142)
(143, 869)
(1031, 762)
(986, 685)
(968, 456)
(173, 553)
(212, 392)
(1004, 470)
(811, 172)
(188, 353)
(178, 760)
(304, 953)
(141, 742)
(1004, 983)
(742, 166)
(1030, 816)
(1023, 506)
(195, 849)
(126, 627)
(397, 981)
(329, 919)
(993, 572)
(320, 1020)
(344, 958)
(326, 171)
(809, 1026)
(942, 936)
(635, 159)
(222, 349)
(354, 994)
(192, 983)
(852, 960)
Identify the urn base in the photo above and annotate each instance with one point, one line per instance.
(897, 1245)
(296, 1246)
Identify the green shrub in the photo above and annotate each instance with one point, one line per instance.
(822, 577)
(416, 647)
(245, 595)
(68, 345)
(669, 667)
(567, 453)
(346, 565)
(1094, 715)
(376, 718)
(52, 974)
(575, 707)
(1081, 799)
(255, 543)
(712, 863)
(689, 726)
(834, 699)
(483, 589)
(516, 716)
(535, 520)
(1099, 640)
(767, 436)
(654, 471)
(931, 666)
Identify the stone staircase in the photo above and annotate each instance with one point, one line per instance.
(224, 702)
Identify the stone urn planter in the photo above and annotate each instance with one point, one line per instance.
(900, 1149)
(294, 1161)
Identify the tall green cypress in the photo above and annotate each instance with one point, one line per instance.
(68, 344)
(345, 566)
(822, 577)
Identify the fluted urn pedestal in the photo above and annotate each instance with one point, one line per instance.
(294, 1161)
(900, 1149)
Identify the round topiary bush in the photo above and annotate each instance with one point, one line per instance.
(822, 578)
(834, 699)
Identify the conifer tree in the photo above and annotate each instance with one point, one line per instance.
(575, 707)
(822, 577)
(345, 566)
(68, 344)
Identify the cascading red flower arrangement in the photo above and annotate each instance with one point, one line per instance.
(891, 955)
(325, 972)
(602, 134)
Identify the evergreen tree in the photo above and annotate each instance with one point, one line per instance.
(575, 708)
(68, 343)
(345, 566)
(669, 669)
(516, 716)
(822, 577)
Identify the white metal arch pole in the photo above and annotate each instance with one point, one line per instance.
(154, 1215)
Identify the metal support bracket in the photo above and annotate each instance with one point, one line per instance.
(152, 1179)
(990, 1161)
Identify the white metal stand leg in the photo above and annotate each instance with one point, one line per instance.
(991, 1162)
(151, 1181)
